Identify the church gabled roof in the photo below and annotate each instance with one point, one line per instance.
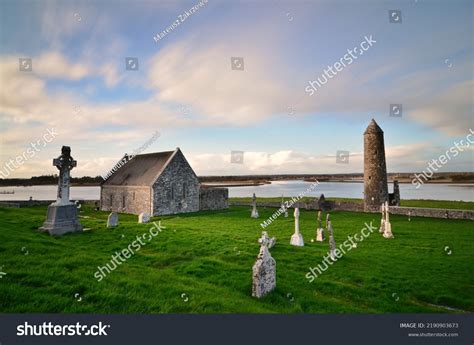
(373, 127)
(141, 170)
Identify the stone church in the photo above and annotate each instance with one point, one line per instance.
(159, 183)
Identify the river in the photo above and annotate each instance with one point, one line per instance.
(445, 191)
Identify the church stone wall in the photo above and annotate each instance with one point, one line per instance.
(125, 199)
(177, 189)
(214, 198)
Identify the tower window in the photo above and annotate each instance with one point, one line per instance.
(184, 190)
(123, 201)
(111, 199)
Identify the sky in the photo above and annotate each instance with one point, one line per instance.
(187, 88)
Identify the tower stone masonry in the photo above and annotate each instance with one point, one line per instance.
(375, 170)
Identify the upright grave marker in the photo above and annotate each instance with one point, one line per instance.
(264, 269)
(62, 214)
(143, 217)
(112, 220)
(254, 213)
(332, 242)
(382, 221)
(388, 227)
(297, 238)
(320, 231)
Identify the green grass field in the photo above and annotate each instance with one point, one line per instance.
(202, 263)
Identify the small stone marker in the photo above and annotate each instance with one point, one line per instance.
(62, 214)
(332, 242)
(320, 231)
(112, 220)
(143, 217)
(382, 221)
(297, 238)
(388, 227)
(264, 269)
(283, 207)
(254, 207)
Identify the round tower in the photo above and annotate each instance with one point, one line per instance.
(375, 170)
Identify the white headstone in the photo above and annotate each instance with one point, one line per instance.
(382, 221)
(283, 208)
(254, 213)
(388, 227)
(332, 242)
(320, 231)
(297, 238)
(112, 220)
(143, 217)
(264, 269)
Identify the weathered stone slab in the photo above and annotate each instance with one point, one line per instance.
(143, 217)
(320, 231)
(264, 269)
(254, 213)
(332, 241)
(112, 220)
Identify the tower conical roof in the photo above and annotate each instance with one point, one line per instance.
(373, 127)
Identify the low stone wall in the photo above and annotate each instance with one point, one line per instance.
(28, 203)
(213, 199)
(359, 207)
(432, 212)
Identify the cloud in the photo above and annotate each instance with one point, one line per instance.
(55, 65)
(201, 77)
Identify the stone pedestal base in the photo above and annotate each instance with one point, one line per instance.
(388, 230)
(61, 219)
(297, 240)
(320, 235)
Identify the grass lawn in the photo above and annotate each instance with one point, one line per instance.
(446, 204)
(202, 263)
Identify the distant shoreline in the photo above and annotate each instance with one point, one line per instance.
(247, 183)
(255, 180)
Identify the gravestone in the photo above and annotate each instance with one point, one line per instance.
(320, 231)
(62, 214)
(382, 221)
(264, 269)
(112, 220)
(297, 238)
(283, 207)
(332, 242)
(388, 227)
(143, 217)
(254, 213)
